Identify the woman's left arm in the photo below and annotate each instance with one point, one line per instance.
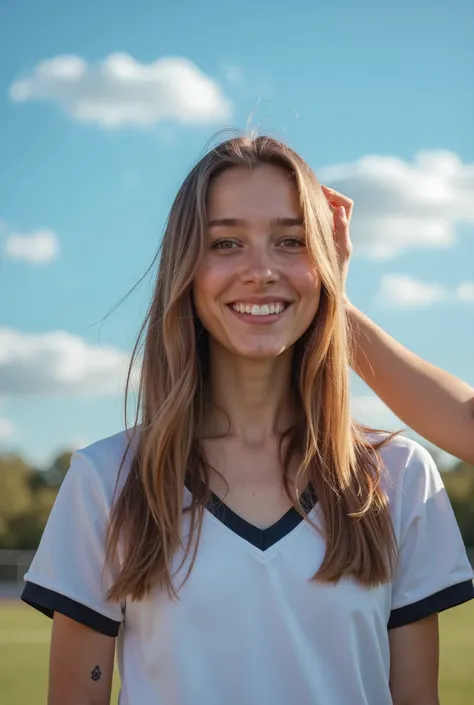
(434, 403)
(414, 660)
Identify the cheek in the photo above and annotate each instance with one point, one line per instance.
(213, 275)
(306, 280)
(210, 282)
(204, 282)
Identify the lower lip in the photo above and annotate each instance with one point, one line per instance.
(259, 320)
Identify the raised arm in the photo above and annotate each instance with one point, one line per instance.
(436, 404)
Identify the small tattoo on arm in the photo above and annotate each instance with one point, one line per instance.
(96, 674)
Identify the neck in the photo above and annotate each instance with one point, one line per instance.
(254, 396)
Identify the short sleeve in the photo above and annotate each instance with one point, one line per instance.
(433, 572)
(67, 573)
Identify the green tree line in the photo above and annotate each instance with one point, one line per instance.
(27, 495)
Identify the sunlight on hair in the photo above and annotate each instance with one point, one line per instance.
(338, 459)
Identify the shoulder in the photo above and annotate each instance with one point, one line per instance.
(400, 453)
(105, 463)
(407, 466)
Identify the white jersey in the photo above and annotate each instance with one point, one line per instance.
(250, 626)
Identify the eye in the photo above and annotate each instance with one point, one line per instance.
(224, 244)
(292, 243)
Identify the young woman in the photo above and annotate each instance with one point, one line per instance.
(433, 402)
(246, 542)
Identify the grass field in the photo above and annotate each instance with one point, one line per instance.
(24, 637)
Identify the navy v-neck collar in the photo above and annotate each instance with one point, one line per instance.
(260, 538)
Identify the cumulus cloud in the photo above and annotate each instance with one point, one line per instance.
(400, 206)
(58, 363)
(7, 429)
(40, 247)
(465, 292)
(403, 291)
(120, 91)
(371, 411)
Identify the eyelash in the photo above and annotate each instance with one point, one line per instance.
(295, 240)
(219, 244)
(227, 244)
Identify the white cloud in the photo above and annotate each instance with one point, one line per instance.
(368, 404)
(40, 247)
(465, 292)
(371, 411)
(402, 291)
(400, 206)
(58, 363)
(79, 443)
(7, 429)
(120, 91)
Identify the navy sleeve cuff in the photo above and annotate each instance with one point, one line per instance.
(48, 602)
(440, 601)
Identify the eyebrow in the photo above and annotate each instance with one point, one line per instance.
(239, 223)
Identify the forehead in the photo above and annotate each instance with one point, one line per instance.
(262, 192)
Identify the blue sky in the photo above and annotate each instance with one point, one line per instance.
(377, 99)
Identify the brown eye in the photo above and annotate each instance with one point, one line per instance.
(292, 243)
(224, 245)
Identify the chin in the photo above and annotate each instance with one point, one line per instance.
(264, 351)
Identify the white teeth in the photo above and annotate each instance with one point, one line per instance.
(255, 310)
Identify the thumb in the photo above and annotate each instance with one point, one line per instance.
(342, 237)
(341, 225)
(341, 214)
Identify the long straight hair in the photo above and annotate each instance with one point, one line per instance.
(338, 458)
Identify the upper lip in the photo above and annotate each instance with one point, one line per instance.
(260, 300)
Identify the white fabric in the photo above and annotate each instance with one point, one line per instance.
(250, 627)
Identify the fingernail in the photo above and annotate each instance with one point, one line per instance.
(341, 212)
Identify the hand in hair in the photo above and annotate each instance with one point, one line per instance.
(341, 207)
(434, 403)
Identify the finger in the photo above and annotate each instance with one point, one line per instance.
(341, 215)
(332, 205)
(341, 233)
(341, 222)
(338, 199)
(336, 196)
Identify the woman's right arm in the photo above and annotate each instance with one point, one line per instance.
(81, 664)
(69, 579)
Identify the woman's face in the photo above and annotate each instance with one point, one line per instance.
(256, 290)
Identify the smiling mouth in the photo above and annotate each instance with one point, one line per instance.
(254, 310)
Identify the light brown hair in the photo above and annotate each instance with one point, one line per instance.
(339, 459)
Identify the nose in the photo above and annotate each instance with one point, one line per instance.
(260, 268)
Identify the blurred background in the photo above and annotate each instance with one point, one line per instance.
(104, 106)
